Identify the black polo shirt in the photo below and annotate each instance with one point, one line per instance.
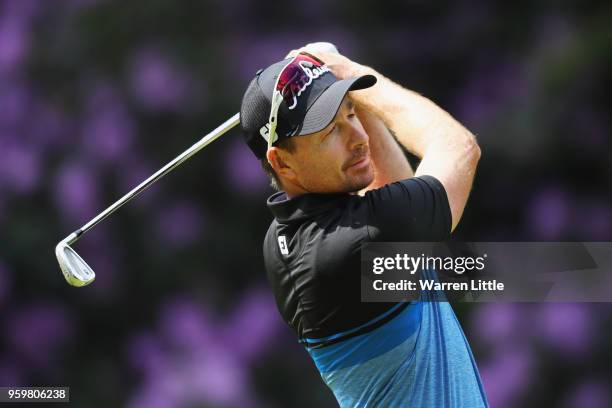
(312, 248)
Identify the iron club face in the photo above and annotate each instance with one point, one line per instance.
(75, 269)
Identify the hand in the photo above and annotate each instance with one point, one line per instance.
(340, 66)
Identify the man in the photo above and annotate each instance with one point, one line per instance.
(343, 181)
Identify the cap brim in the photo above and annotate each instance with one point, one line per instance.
(324, 109)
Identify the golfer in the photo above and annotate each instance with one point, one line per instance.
(330, 146)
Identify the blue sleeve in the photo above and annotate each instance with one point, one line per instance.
(414, 209)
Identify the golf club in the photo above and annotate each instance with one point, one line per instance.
(75, 269)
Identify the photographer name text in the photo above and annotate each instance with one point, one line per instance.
(433, 285)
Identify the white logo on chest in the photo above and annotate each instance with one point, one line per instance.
(282, 244)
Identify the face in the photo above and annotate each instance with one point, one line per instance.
(336, 159)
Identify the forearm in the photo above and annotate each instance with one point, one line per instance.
(389, 161)
(448, 151)
(416, 121)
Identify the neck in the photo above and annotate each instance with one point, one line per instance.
(292, 190)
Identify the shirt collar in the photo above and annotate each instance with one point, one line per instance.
(303, 206)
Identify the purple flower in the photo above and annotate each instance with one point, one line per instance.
(11, 372)
(108, 134)
(180, 224)
(566, 327)
(26, 10)
(19, 167)
(50, 128)
(261, 52)
(38, 331)
(14, 43)
(157, 83)
(496, 323)
(257, 315)
(506, 376)
(146, 354)
(488, 91)
(194, 360)
(216, 376)
(108, 130)
(152, 397)
(186, 325)
(100, 94)
(243, 170)
(591, 394)
(15, 102)
(76, 192)
(548, 213)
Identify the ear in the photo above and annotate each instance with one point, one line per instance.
(282, 163)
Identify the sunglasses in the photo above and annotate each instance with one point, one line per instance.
(292, 80)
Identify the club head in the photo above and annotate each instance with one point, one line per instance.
(75, 269)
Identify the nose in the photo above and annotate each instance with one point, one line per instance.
(358, 138)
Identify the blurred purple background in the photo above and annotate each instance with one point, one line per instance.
(95, 95)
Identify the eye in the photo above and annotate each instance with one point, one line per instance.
(350, 112)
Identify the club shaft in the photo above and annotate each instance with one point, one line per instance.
(209, 138)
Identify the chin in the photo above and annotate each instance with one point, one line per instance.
(360, 183)
(367, 178)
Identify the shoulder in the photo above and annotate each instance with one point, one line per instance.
(406, 187)
(416, 208)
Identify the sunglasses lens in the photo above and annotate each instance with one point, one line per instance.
(291, 81)
(294, 78)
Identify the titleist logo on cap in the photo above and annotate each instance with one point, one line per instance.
(313, 72)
